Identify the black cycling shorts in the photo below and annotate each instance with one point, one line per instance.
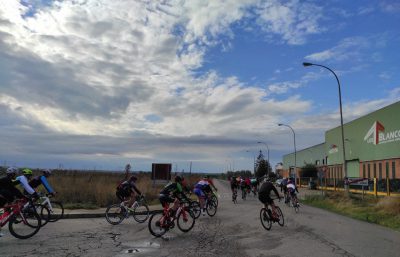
(165, 200)
(265, 199)
(7, 197)
(122, 194)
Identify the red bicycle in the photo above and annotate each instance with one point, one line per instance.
(162, 221)
(23, 220)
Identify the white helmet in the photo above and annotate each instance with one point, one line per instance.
(12, 170)
(47, 172)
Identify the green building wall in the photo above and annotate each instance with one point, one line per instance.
(373, 137)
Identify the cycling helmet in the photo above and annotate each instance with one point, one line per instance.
(178, 179)
(47, 172)
(12, 170)
(27, 172)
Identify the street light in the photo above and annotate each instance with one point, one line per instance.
(306, 64)
(254, 163)
(259, 142)
(294, 140)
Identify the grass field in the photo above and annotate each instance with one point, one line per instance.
(383, 211)
(83, 189)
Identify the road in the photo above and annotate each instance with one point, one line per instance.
(234, 231)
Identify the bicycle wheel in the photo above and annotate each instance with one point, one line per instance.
(265, 219)
(195, 208)
(281, 220)
(296, 206)
(211, 208)
(141, 213)
(56, 212)
(185, 220)
(24, 225)
(44, 213)
(157, 224)
(115, 214)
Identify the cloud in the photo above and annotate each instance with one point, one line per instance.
(348, 49)
(293, 20)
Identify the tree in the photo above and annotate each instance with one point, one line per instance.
(309, 171)
(262, 166)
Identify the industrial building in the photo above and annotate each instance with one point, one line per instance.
(372, 148)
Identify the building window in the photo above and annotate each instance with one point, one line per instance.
(369, 170)
(393, 170)
(363, 170)
(374, 170)
(380, 170)
(387, 169)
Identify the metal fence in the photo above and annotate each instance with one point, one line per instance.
(376, 186)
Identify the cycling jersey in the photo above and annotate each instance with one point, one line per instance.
(292, 188)
(24, 182)
(265, 191)
(8, 190)
(36, 181)
(172, 189)
(201, 188)
(169, 192)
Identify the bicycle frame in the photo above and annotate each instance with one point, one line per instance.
(15, 210)
(46, 202)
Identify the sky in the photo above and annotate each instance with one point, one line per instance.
(97, 84)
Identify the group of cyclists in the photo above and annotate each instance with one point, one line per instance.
(287, 187)
(174, 192)
(9, 183)
(245, 184)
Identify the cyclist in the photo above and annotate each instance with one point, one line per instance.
(126, 191)
(234, 187)
(23, 180)
(36, 181)
(292, 189)
(254, 185)
(283, 187)
(172, 193)
(247, 182)
(201, 189)
(8, 191)
(264, 195)
(210, 182)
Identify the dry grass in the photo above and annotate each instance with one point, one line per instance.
(389, 205)
(384, 211)
(82, 189)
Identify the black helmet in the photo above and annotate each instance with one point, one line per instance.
(133, 178)
(178, 179)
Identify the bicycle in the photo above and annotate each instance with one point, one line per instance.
(194, 206)
(22, 218)
(162, 221)
(211, 205)
(268, 215)
(55, 209)
(116, 213)
(244, 193)
(234, 196)
(294, 202)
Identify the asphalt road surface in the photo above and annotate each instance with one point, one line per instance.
(234, 231)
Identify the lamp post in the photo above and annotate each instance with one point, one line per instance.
(294, 141)
(306, 64)
(267, 154)
(254, 163)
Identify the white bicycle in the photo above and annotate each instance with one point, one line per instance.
(55, 208)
